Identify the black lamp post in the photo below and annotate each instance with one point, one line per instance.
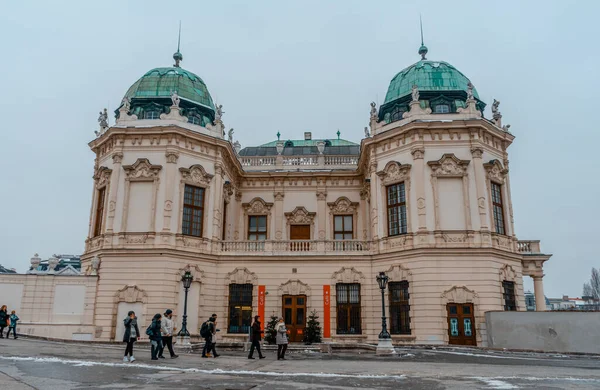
(382, 280)
(187, 282)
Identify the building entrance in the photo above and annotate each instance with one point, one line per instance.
(461, 324)
(294, 315)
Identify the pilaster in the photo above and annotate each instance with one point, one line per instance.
(172, 157)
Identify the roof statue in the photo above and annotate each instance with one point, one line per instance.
(367, 135)
(415, 93)
(495, 107)
(126, 103)
(219, 112)
(470, 91)
(175, 99)
(505, 128)
(230, 135)
(103, 122)
(373, 111)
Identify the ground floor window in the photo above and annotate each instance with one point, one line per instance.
(240, 308)
(399, 308)
(510, 302)
(348, 308)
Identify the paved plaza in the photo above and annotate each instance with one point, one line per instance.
(36, 364)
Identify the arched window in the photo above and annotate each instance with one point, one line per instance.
(153, 114)
(289, 144)
(396, 114)
(194, 120)
(327, 142)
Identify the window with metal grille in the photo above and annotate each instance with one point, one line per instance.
(99, 212)
(193, 211)
(399, 308)
(397, 113)
(151, 115)
(348, 308)
(396, 209)
(240, 308)
(498, 208)
(257, 227)
(510, 302)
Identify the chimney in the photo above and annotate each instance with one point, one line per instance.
(307, 136)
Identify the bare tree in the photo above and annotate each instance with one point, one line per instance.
(592, 288)
(587, 290)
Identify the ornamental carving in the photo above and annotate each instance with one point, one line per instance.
(321, 195)
(241, 275)
(278, 195)
(454, 238)
(507, 273)
(365, 192)
(137, 238)
(196, 272)
(300, 216)
(495, 171)
(394, 172)
(102, 176)
(459, 294)
(418, 153)
(343, 205)
(142, 169)
(257, 206)
(347, 275)
(449, 165)
(196, 174)
(131, 294)
(477, 152)
(398, 273)
(294, 287)
(117, 158)
(172, 157)
(227, 192)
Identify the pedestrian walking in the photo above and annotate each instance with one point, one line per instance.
(281, 339)
(256, 337)
(130, 336)
(13, 324)
(155, 336)
(208, 331)
(214, 336)
(4, 320)
(166, 330)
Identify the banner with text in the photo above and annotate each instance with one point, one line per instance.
(326, 311)
(261, 306)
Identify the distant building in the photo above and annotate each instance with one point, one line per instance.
(4, 270)
(59, 264)
(529, 301)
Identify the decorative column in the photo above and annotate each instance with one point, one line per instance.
(238, 233)
(538, 290)
(508, 197)
(171, 172)
(477, 153)
(364, 226)
(278, 223)
(418, 154)
(322, 233)
(217, 201)
(114, 188)
(374, 200)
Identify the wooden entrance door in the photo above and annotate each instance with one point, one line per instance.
(300, 232)
(461, 324)
(294, 315)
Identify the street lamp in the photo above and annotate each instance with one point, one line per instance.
(187, 282)
(385, 346)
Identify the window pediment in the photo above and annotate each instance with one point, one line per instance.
(257, 206)
(495, 171)
(300, 216)
(241, 275)
(507, 273)
(394, 172)
(343, 205)
(347, 275)
(449, 165)
(102, 176)
(142, 169)
(131, 294)
(196, 174)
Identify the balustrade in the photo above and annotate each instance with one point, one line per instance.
(528, 246)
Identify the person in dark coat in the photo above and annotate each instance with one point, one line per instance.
(256, 337)
(13, 324)
(155, 336)
(130, 336)
(4, 318)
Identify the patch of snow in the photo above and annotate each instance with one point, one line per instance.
(496, 384)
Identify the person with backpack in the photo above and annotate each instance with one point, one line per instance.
(155, 336)
(131, 335)
(13, 324)
(207, 332)
(256, 332)
(4, 319)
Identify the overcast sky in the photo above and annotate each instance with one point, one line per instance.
(295, 66)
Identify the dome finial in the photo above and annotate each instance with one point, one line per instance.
(178, 57)
(423, 49)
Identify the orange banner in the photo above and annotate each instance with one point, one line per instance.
(261, 306)
(326, 311)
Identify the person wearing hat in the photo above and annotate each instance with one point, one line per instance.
(256, 332)
(166, 330)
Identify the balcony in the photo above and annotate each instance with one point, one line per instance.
(292, 247)
(528, 247)
(316, 162)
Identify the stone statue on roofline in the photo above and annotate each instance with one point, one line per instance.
(230, 135)
(415, 93)
(103, 118)
(469, 91)
(495, 107)
(126, 103)
(373, 111)
(175, 99)
(367, 135)
(219, 112)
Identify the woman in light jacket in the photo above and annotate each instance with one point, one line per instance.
(281, 339)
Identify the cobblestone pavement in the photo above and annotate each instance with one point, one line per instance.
(35, 364)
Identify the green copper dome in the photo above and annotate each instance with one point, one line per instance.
(162, 82)
(428, 76)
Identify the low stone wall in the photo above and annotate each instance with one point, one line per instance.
(573, 332)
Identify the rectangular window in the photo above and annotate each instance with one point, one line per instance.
(99, 212)
(342, 227)
(240, 308)
(510, 303)
(348, 308)
(257, 228)
(396, 209)
(193, 211)
(399, 308)
(498, 208)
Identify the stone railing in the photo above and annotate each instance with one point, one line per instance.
(256, 163)
(528, 246)
(292, 247)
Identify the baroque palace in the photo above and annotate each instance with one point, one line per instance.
(306, 224)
